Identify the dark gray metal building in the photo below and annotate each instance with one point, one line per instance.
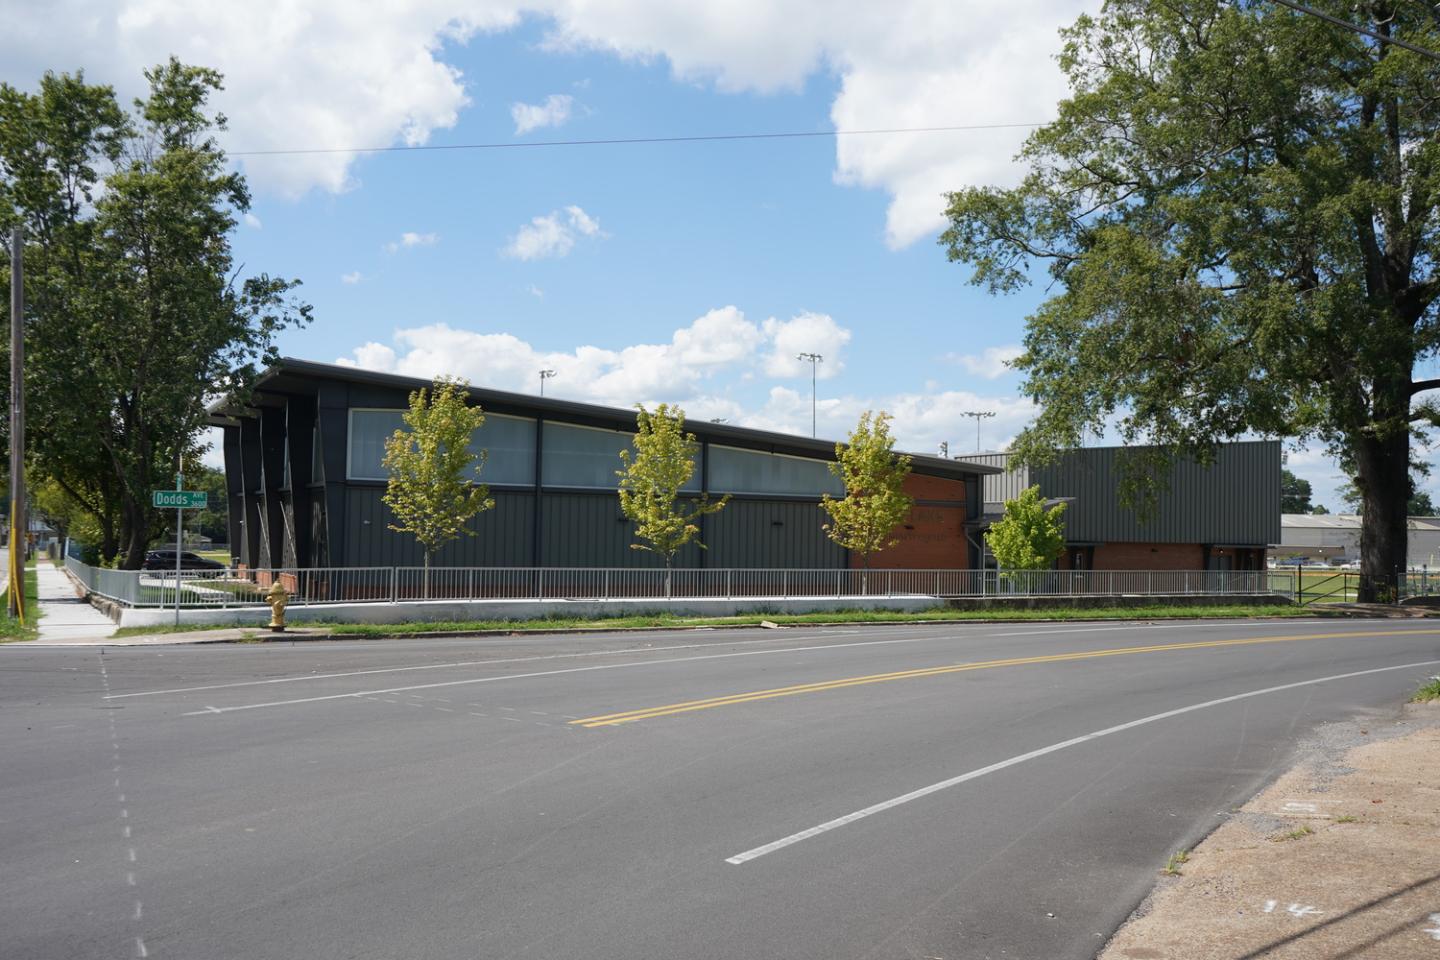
(304, 478)
(1220, 517)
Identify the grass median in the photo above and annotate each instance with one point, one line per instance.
(10, 627)
(939, 615)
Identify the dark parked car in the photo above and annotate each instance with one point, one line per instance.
(165, 560)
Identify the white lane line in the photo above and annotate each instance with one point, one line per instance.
(890, 804)
(1088, 628)
(475, 663)
(603, 666)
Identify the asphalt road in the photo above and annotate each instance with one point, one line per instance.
(929, 791)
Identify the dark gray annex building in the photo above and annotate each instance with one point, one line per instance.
(304, 479)
(1220, 517)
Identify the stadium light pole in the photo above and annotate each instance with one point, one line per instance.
(814, 359)
(978, 415)
(545, 375)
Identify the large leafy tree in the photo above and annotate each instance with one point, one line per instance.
(651, 481)
(875, 503)
(1237, 206)
(434, 487)
(137, 313)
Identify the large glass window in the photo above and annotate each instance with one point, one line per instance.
(749, 471)
(510, 446)
(509, 442)
(586, 457)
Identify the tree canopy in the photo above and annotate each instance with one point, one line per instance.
(1294, 493)
(1237, 210)
(864, 521)
(433, 488)
(651, 480)
(1029, 536)
(137, 314)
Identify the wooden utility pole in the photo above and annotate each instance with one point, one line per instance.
(19, 529)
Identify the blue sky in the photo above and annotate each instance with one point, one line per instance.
(689, 272)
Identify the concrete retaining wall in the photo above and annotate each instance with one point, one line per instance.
(1095, 603)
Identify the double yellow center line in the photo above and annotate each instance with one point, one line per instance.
(688, 706)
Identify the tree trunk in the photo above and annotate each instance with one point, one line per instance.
(135, 534)
(668, 561)
(426, 594)
(1383, 477)
(109, 541)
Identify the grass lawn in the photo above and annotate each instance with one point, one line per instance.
(10, 627)
(851, 616)
(795, 619)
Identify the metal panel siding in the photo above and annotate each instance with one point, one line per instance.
(588, 530)
(502, 534)
(1234, 501)
(999, 487)
(771, 533)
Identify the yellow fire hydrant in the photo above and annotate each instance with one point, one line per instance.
(277, 598)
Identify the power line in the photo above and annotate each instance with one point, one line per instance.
(706, 138)
(1373, 34)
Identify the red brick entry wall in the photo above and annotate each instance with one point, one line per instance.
(1144, 556)
(933, 537)
(1162, 556)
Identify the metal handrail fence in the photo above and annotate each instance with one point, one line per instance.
(325, 585)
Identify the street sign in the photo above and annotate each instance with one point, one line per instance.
(180, 499)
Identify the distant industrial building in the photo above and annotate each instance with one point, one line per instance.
(1217, 517)
(304, 479)
(1335, 538)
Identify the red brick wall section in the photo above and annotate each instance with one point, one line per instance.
(933, 538)
(1149, 556)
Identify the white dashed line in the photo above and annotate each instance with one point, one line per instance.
(127, 832)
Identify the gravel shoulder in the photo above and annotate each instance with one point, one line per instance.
(1339, 858)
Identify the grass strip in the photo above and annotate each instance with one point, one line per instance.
(1428, 692)
(10, 627)
(939, 615)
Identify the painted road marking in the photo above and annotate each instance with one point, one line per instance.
(666, 710)
(541, 673)
(300, 678)
(890, 804)
(649, 663)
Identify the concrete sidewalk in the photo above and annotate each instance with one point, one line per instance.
(64, 616)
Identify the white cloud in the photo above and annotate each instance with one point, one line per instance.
(805, 333)
(251, 220)
(910, 63)
(720, 340)
(318, 74)
(992, 363)
(922, 420)
(352, 278)
(536, 292)
(698, 367)
(331, 74)
(552, 235)
(411, 239)
(554, 112)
